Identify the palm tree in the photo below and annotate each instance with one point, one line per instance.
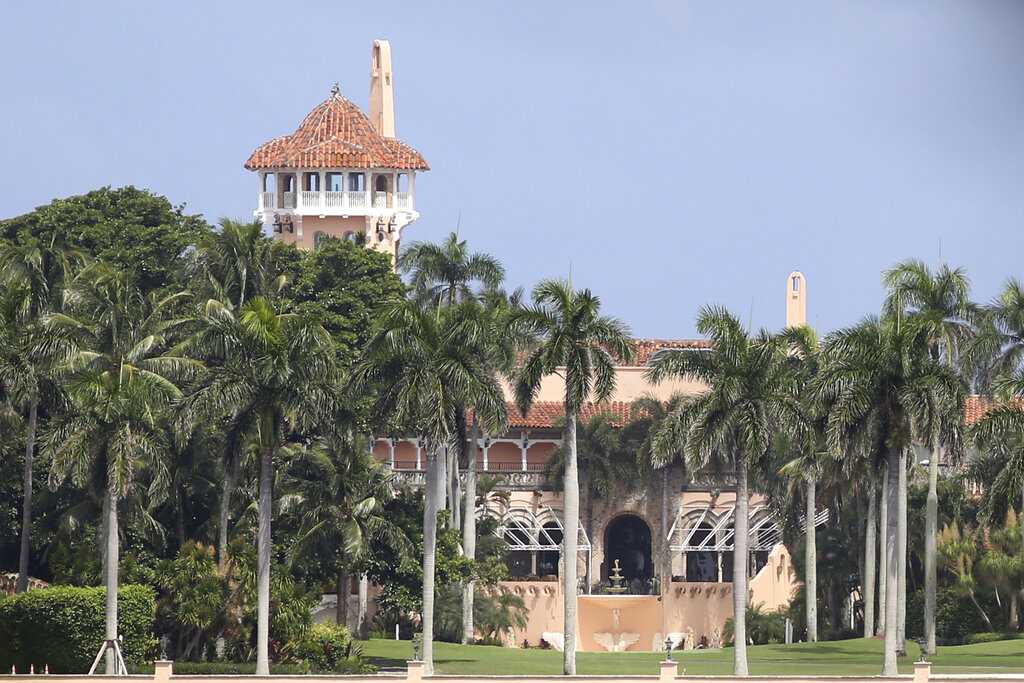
(940, 304)
(337, 493)
(442, 273)
(885, 390)
(752, 390)
(582, 346)
(269, 372)
(231, 266)
(424, 372)
(35, 278)
(1001, 342)
(121, 387)
(1002, 565)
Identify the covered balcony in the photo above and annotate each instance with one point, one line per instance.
(337, 193)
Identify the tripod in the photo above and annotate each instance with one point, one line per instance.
(120, 668)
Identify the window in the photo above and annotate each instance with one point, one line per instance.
(319, 237)
(335, 182)
(311, 182)
(356, 182)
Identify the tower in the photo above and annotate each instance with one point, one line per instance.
(796, 300)
(341, 174)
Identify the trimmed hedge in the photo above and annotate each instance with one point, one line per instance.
(63, 627)
(975, 638)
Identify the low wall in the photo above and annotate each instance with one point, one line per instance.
(669, 673)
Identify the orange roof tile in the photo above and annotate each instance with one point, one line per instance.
(545, 414)
(647, 348)
(337, 134)
(976, 407)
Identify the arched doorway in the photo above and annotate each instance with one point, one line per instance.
(628, 540)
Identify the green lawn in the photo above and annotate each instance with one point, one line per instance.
(849, 657)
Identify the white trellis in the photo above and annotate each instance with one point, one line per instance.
(764, 531)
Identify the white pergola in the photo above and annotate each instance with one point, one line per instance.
(523, 530)
(763, 534)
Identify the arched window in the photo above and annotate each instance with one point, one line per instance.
(319, 237)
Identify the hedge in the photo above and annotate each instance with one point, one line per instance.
(975, 638)
(63, 627)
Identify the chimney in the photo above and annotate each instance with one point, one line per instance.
(796, 300)
(382, 94)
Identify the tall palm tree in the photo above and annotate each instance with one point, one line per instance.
(752, 391)
(1001, 341)
(35, 278)
(582, 345)
(231, 266)
(940, 303)
(269, 372)
(886, 389)
(424, 371)
(121, 387)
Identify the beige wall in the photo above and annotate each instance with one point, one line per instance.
(630, 384)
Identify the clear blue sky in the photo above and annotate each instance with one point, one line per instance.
(677, 153)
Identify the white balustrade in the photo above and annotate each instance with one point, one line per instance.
(310, 199)
(380, 200)
(356, 200)
(266, 200)
(289, 200)
(334, 200)
(403, 200)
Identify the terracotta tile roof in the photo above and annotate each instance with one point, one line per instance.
(976, 407)
(337, 134)
(646, 348)
(548, 413)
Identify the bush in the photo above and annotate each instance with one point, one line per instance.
(764, 628)
(63, 627)
(955, 614)
(220, 669)
(329, 648)
(975, 638)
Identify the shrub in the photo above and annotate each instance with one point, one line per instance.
(63, 627)
(762, 627)
(975, 638)
(329, 648)
(955, 613)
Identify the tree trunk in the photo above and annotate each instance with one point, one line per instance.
(570, 541)
(891, 560)
(811, 563)
(469, 536)
(883, 555)
(456, 493)
(931, 530)
(344, 588)
(449, 503)
(984, 616)
(180, 521)
(230, 477)
(263, 563)
(26, 505)
(868, 579)
(364, 584)
(111, 574)
(435, 475)
(666, 551)
(901, 587)
(740, 561)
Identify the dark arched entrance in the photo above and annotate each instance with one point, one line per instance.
(628, 540)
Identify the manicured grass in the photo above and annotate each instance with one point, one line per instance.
(848, 657)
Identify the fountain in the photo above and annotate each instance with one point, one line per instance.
(616, 580)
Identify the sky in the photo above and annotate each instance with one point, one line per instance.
(666, 155)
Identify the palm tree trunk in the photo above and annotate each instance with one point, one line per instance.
(868, 579)
(883, 554)
(364, 584)
(449, 488)
(901, 587)
(435, 471)
(111, 574)
(469, 536)
(891, 560)
(571, 544)
(26, 505)
(741, 527)
(344, 581)
(931, 530)
(230, 477)
(666, 551)
(811, 563)
(263, 563)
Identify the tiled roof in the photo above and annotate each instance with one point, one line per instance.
(976, 407)
(337, 134)
(550, 413)
(646, 348)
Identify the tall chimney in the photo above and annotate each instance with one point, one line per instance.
(796, 300)
(382, 94)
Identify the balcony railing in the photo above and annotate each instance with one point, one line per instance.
(335, 202)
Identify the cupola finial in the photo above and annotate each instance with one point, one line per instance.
(335, 90)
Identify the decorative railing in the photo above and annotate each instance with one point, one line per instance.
(267, 200)
(403, 200)
(356, 199)
(380, 200)
(289, 200)
(512, 480)
(310, 199)
(334, 200)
